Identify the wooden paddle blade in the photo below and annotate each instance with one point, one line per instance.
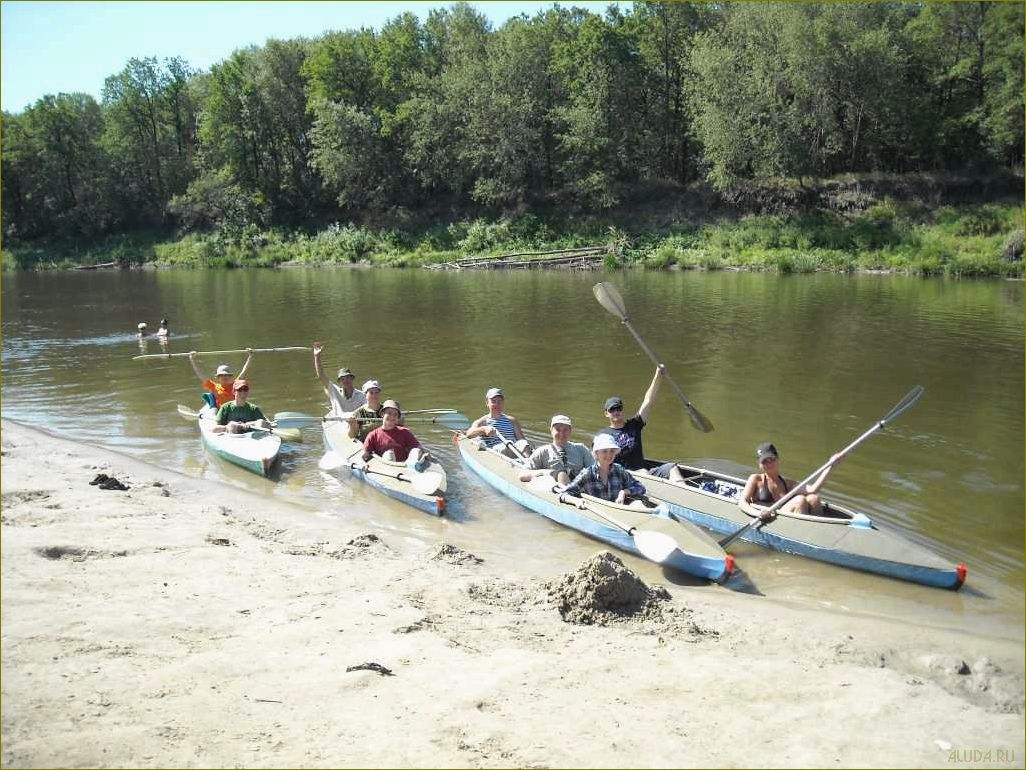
(427, 483)
(608, 296)
(331, 461)
(187, 413)
(655, 546)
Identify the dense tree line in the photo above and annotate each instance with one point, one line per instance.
(567, 107)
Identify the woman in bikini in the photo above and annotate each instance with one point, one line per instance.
(769, 486)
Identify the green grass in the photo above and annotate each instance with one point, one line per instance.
(965, 241)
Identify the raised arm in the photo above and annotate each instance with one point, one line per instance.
(245, 366)
(195, 367)
(318, 368)
(650, 394)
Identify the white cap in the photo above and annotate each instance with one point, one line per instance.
(223, 369)
(370, 384)
(560, 419)
(493, 392)
(142, 325)
(604, 441)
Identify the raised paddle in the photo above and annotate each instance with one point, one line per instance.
(655, 546)
(610, 299)
(217, 352)
(910, 398)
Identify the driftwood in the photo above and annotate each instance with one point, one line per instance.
(94, 267)
(584, 257)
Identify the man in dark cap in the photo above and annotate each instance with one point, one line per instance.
(627, 432)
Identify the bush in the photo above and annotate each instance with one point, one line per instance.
(983, 221)
(1013, 248)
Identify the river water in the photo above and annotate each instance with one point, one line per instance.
(808, 362)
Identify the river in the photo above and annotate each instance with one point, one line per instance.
(808, 362)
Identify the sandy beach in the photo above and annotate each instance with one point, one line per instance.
(183, 623)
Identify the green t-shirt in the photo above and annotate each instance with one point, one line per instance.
(231, 412)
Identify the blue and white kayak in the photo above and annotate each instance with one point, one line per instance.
(695, 553)
(396, 480)
(840, 536)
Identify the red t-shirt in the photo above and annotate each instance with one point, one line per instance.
(400, 440)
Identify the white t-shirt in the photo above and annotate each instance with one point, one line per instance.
(340, 404)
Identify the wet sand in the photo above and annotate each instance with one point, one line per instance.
(187, 623)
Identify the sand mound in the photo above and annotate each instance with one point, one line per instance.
(453, 555)
(362, 545)
(603, 590)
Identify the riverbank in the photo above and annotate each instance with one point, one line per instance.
(850, 227)
(184, 622)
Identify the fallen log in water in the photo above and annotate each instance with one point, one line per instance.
(582, 257)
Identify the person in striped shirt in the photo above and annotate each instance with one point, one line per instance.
(498, 428)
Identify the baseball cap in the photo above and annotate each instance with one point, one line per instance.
(345, 371)
(223, 369)
(765, 450)
(142, 325)
(604, 441)
(613, 402)
(560, 419)
(391, 404)
(493, 392)
(370, 384)
(240, 384)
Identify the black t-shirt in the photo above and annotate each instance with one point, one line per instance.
(628, 438)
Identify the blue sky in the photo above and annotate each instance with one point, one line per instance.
(48, 47)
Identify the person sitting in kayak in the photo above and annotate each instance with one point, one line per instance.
(393, 441)
(769, 486)
(497, 425)
(343, 397)
(563, 458)
(220, 387)
(365, 418)
(238, 415)
(604, 478)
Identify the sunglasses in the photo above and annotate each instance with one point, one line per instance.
(242, 390)
(615, 409)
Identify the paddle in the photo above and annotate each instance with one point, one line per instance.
(910, 398)
(217, 352)
(608, 296)
(427, 482)
(287, 433)
(454, 421)
(655, 546)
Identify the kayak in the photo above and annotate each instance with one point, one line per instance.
(695, 553)
(255, 451)
(396, 480)
(840, 536)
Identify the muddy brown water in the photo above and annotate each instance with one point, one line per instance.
(808, 362)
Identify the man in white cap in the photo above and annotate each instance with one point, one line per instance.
(563, 458)
(220, 387)
(497, 427)
(605, 479)
(343, 397)
(142, 329)
(367, 417)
